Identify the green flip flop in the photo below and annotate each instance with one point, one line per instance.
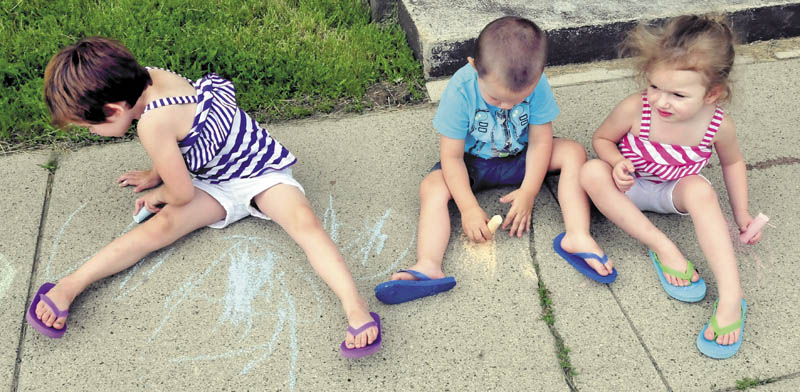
(694, 292)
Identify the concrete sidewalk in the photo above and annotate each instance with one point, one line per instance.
(241, 309)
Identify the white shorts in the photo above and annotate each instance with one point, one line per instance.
(655, 197)
(235, 195)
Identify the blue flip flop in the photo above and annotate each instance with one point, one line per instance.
(715, 350)
(578, 261)
(399, 291)
(694, 292)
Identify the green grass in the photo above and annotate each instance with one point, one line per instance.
(548, 315)
(287, 58)
(747, 383)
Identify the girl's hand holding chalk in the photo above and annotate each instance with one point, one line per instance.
(494, 223)
(142, 215)
(753, 228)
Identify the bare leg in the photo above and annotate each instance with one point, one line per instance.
(433, 232)
(569, 156)
(170, 224)
(288, 207)
(617, 207)
(696, 196)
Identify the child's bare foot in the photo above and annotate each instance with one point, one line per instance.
(62, 295)
(584, 243)
(675, 260)
(433, 272)
(356, 319)
(728, 312)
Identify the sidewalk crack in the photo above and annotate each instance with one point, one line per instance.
(51, 167)
(641, 340)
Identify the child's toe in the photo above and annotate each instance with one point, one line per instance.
(58, 324)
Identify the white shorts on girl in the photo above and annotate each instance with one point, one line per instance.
(655, 197)
(235, 195)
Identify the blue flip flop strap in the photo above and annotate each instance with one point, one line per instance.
(585, 255)
(416, 274)
(726, 329)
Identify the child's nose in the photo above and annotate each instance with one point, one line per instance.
(661, 100)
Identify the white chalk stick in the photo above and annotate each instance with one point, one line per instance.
(754, 228)
(143, 214)
(494, 223)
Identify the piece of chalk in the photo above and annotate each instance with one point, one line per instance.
(754, 228)
(494, 223)
(143, 214)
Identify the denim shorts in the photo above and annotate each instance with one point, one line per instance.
(494, 172)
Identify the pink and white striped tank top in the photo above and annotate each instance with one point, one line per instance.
(658, 162)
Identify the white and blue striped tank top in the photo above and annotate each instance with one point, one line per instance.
(224, 142)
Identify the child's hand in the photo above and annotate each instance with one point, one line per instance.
(141, 179)
(151, 201)
(622, 173)
(519, 215)
(744, 221)
(473, 221)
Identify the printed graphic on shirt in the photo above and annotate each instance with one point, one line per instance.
(501, 130)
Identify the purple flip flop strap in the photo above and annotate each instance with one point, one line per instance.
(356, 331)
(58, 312)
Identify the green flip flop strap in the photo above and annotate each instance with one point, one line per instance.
(687, 275)
(726, 329)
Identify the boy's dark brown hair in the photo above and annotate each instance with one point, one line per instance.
(512, 48)
(83, 77)
(701, 43)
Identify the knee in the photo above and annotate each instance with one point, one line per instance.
(303, 219)
(434, 189)
(160, 228)
(593, 173)
(572, 154)
(697, 192)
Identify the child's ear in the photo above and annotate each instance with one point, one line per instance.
(112, 109)
(713, 94)
(472, 62)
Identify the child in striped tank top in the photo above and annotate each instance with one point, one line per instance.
(214, 164)
(651, 149)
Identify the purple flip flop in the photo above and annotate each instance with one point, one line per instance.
(368, 349)
(37, 324)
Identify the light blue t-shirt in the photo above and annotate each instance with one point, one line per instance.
(487, 130)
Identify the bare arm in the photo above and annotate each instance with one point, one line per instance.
(614, 128)
(537, 160)
(734, 172)
(168, 162)
(454, 170)
(610, 132)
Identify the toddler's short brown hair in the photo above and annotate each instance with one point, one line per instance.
(512, 48)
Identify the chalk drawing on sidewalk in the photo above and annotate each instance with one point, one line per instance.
(51, 276)
(256, 291)
(365, 243)
(248, 289)
(7, 273)
(484, 254)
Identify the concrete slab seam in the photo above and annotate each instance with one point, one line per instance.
(559, 341)
(641, 340)
(619, 304)
(758, 382)
(37, 248)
